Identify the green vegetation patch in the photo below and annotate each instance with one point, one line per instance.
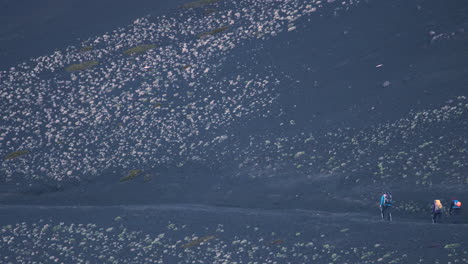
(209, 11)
(199, 3)
(213, 32)
(299, 154)
(197, 241)
(277, 241)
(15, 154)
(81, 66)
(452, 246)
(131, 175)
(139, 49)
(87, 48)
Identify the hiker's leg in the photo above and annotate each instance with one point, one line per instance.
(434, 215)
(456, 215)
(389, 212)
(452, 217)
(382, 212)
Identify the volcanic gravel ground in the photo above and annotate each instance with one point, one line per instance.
(192, 233)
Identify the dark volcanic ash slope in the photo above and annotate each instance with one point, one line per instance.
(275, 104)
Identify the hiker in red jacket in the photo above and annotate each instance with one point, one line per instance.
(455, 210)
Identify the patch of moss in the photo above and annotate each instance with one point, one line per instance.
(15, 154)
(81, 66)
(277, 241)
(139, 49)
(210, 11)
(199, 3)
(213, 32)
(87, 48)
(452, 246)
(131, 175)
(299, 154)
(197, 241)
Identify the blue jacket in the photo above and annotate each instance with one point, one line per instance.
(382, 201)
(454, 206)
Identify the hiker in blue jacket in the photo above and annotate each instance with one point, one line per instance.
(386, 205)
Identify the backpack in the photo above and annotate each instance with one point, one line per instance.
(387, 199)
(437, 206)
(456, 204)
